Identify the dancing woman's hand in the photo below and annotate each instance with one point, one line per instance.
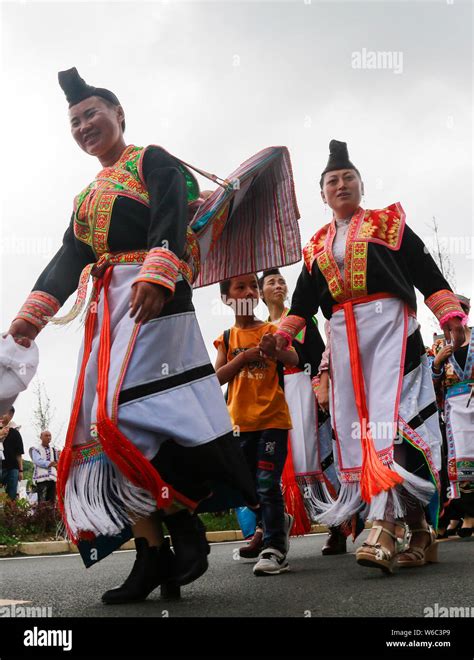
(148, 300)
(23, 332)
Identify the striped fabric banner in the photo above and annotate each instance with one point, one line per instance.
(252, 224)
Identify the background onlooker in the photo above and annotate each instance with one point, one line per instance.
(12, 464)
(45, 459)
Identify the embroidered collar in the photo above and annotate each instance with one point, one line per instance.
(382, 226)
(94, 205)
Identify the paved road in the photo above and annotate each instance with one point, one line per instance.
(324, 586)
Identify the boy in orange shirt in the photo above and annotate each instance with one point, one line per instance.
(259, 412)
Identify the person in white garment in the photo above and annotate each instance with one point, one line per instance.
(45, 459)
(362, 269)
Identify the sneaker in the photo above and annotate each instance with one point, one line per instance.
(271, 562)
(253, 547)
(289, 520)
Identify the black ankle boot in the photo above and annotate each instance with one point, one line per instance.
(188, 536)
(335, 543)
(152, 567)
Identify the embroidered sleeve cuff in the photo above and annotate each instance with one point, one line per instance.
(161, 266)
(291, 325)
(286, 336)
(38, 309)
(445, 306)
(453, 315)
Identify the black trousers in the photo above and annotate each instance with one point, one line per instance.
(46, 491)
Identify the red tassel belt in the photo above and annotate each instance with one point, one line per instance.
(118, 448)
(375, 476)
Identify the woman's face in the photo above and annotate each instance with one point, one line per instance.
(96, 125)
(274, 289)
(5, 419)
(342, 191)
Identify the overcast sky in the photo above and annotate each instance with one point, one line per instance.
(216, 82)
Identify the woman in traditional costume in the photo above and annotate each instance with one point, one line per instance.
(362, 269)
(149, 432)
(453, 377)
